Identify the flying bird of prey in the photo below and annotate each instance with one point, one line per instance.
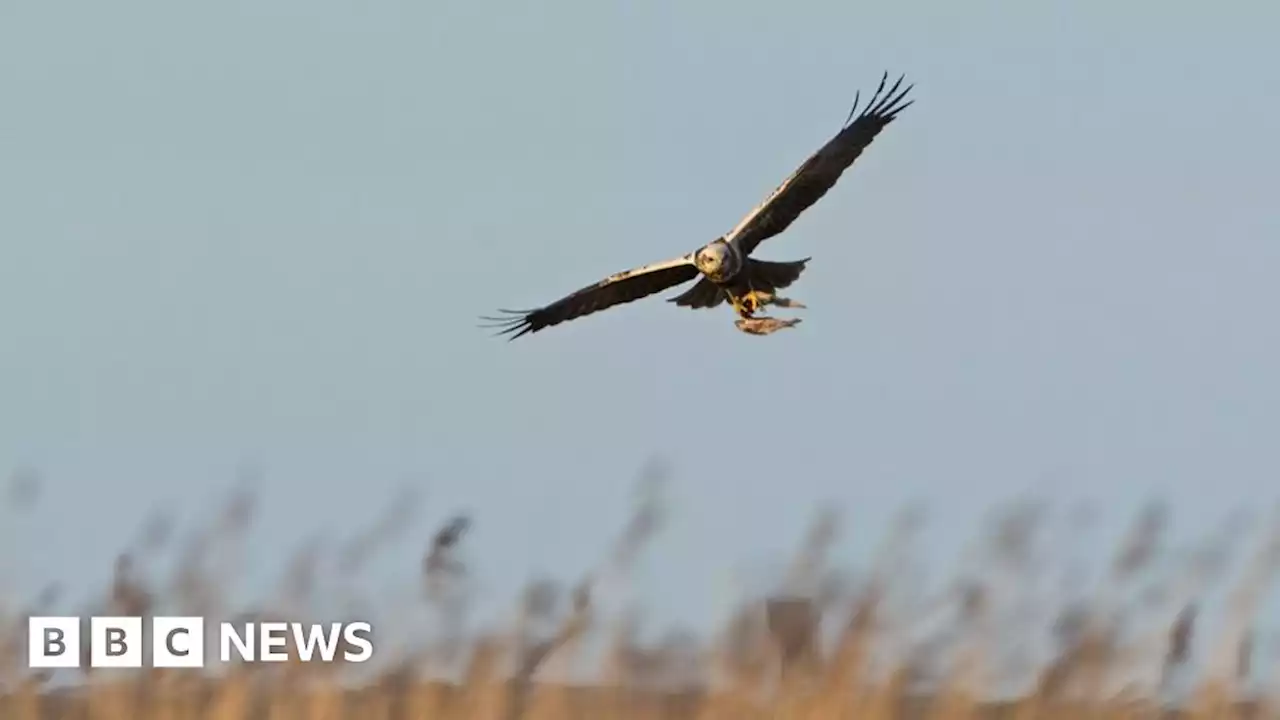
(728, 271)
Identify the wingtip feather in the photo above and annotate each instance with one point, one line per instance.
(883, 105)
(517, 322)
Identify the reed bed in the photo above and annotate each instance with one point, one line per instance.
(1001, 639)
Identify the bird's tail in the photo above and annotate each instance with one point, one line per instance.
(764, 275)
(770, 276)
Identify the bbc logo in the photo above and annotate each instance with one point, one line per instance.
(115, 642)
(179, 642)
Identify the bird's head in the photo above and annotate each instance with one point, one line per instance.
(714, 259)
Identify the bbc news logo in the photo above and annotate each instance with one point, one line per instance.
(179, 642)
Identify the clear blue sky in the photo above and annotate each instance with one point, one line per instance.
(264, 229)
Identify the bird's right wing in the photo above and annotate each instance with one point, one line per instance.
(817, 175)
(616, 289)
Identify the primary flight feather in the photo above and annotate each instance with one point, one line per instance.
(727, 271)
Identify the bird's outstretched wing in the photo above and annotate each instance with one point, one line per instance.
(820, 172)
(616, 289)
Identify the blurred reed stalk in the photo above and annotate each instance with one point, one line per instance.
(818, 645)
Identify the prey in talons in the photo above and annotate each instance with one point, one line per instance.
(755, 301)
(764, 325)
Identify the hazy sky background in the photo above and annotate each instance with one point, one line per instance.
(262, 230)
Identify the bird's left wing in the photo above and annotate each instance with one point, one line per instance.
(616, 289)
(819, 173)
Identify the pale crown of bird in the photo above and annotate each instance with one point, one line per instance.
(717, 260)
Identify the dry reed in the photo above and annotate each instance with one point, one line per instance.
(990, 645)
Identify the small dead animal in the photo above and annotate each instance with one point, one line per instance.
(764, 325)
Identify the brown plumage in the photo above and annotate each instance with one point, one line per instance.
(818, 174)
(623, 287)
(728, 272)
